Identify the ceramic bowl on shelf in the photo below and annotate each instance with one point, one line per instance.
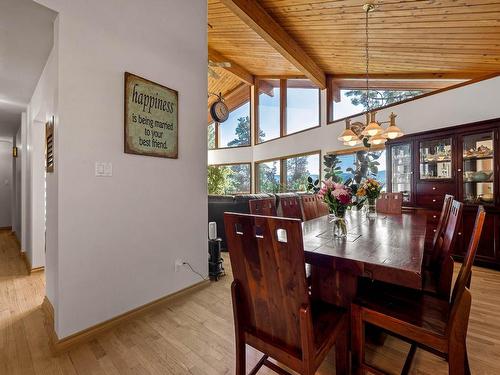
(488, 198)
(481, 176)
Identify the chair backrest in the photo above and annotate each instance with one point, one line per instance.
(267, 259)
(321, 206)
(309, 206)
(443, 219)
(265, 206)
(390, 203)
(290, 207)
(466, 268)
(449, 235)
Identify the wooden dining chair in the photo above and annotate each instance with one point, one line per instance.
(321, 206)
(290, 207)
(438, 274)
(309, 206)
(390, 203)
(272, 309)
(427, 322)
(443, 220)
(264, 206)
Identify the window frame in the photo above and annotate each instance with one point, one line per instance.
(334, 85)
(282, 168)
(217, 124)
(283, 108)
(250, 164)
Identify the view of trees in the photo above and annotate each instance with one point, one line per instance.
(297, 174)
(269, 177)
(211, 136)
(229, 179)
(379, 98)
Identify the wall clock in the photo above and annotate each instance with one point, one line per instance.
(219, 110)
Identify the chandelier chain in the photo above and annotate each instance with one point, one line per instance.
(367, 62)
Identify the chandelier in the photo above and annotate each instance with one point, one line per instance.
(370, 132)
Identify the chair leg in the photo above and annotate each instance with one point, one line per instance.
(457, 359)
(342, 353)
(467, 368)
(357, 340)
(240, 357)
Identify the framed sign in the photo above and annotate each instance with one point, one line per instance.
(151, 118)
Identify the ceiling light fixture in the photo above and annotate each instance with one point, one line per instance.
(371, 132)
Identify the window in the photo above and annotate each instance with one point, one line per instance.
(229, 179)
(269, 176)
(302, 105)
(269, 110)
(298, 169)
(288, 173)
(211, 136)
(353, 101)
(350, 164)
(235, 131)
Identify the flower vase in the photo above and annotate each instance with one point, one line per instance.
(339, 224)
(371, 208)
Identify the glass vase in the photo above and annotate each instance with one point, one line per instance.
(371, 208)
(338, 223)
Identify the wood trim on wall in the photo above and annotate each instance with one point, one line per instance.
(329, 115)
(243, 163)
(352, 150)
(65, 344)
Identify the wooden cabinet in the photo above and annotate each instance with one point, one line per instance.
(462, 161)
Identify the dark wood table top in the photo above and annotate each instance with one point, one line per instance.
(389, 248)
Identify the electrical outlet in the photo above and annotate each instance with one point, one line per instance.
(178, 264)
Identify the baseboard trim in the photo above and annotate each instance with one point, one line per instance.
(6, 228)
(28, 264)
(65, 344)
(26, 261)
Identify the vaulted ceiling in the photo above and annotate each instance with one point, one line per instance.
(408, 38)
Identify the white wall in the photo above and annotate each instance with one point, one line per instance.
(5, 182)
(42, 106)
(115, 239)
(463, 105)
(17, 186)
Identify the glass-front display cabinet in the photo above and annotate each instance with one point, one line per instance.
(435, 158)
(401, 170)
(478, 153)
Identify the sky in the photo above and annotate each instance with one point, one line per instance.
(302, 113)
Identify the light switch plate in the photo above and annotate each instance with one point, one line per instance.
(103, 169)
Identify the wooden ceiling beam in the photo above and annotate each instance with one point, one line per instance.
(235, 69)
(256, 17)
(400, 76)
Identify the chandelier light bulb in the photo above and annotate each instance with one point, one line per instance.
(377, 140)
(393, 132)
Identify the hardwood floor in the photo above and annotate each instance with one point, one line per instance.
(194, 334)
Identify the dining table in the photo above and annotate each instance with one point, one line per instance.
(388, 248)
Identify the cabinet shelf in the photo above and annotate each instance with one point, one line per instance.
(478, 158)
(436, 161)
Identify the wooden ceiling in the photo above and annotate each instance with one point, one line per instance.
(442, 38)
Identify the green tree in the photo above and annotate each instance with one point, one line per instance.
(211, 136)
(269, 179)
(296, 174)
(240, 178)
(242, 133)
(380, 98)
(219, 181)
